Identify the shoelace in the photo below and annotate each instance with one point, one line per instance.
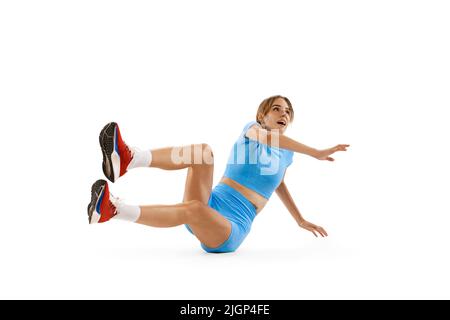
(114, 203)
(129, 151)
(133, 150)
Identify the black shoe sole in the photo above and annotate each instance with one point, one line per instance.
(106, 139)
(96, 191)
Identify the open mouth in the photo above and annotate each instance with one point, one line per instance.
(282, 122)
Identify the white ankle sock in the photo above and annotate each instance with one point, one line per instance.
(140, 159)
(127, 212)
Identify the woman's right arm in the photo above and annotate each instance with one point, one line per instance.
(274, 138)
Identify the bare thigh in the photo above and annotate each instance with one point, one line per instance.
(208, 225)
(198, 185)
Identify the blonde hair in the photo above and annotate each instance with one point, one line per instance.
(265, 106)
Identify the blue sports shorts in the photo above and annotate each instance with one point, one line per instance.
(235, 208)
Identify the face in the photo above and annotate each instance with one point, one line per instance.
(278, 117)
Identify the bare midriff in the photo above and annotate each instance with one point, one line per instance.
(255, 198)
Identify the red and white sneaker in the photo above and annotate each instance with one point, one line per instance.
(116, 153)
(101, 208)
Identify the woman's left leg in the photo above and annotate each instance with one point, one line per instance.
(208, 225)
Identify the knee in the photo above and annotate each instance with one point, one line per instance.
(206, 154)
(195, 210)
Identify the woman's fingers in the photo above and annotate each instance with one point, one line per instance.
(317, 230)
(323, 231)
(341, 147)
(314, 229)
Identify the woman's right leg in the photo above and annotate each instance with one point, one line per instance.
(118, 157)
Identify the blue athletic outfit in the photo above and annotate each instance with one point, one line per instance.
(256, 166)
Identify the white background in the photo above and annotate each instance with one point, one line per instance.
(373, 74)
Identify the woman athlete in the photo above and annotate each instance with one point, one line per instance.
(220, 217)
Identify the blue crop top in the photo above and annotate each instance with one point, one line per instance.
(256, 165)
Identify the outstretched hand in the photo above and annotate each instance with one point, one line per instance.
(325, 154)
(313, 228)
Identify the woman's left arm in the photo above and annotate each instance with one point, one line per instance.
(285, 197)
